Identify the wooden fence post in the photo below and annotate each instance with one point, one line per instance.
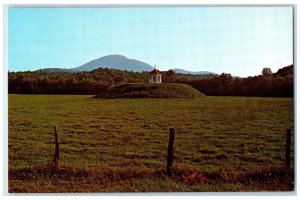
(56, 154)
(170, 153)
(287, 148)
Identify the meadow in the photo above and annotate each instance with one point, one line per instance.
(120, 145)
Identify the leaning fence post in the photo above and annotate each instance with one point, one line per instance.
(170, 153)
(287, 148)
(56, 154)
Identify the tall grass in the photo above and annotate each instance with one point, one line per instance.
(127, 138)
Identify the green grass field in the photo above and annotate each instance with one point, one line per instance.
(120, 145)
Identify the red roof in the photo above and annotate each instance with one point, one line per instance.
(155, 71)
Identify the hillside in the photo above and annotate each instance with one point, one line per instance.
(115, 62)
(135, 90)
(182, 71)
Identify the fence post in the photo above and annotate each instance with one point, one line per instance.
(56, 154)
(170, 153)
(287, 148)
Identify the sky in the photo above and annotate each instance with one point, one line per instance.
(236, 40)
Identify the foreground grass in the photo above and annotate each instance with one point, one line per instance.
(45, 179)
(119, 145)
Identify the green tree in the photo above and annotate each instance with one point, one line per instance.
(169, 76)
(266, 71)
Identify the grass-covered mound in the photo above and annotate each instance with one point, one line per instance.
(139, 90)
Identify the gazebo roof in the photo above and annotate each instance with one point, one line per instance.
(155, 71)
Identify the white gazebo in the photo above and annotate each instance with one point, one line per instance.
(155, 76)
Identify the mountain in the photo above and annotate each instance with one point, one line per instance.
(119, 62)
(182, 71)
(115, 62)
(54, 70)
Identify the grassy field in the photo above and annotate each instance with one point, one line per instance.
(120, 145)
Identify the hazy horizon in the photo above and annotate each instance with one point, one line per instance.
(236, 40)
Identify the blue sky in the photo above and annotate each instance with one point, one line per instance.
(236, 40)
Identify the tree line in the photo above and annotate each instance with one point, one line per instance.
(60, 82)
(279, 84)
(268, 84)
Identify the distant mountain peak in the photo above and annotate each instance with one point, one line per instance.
(115, 61)
(114, 55)
(182, 71)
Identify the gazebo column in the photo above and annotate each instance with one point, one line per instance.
(155, 76)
